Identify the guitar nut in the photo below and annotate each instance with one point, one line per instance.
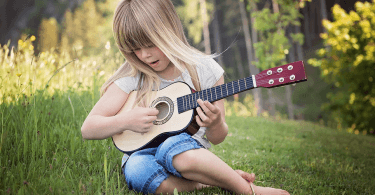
(269, 72)
(279, 70)
(292, 77)
(290, 67)
(281, 79)
(270, 81)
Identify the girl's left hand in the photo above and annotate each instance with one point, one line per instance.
(209, 114)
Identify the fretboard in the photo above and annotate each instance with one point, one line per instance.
(213, 94)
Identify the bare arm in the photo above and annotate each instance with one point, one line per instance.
(213, 118)
(102, 122)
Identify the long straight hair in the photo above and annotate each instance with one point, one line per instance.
(146, 23)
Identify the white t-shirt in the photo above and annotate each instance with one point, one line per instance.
(209, 72)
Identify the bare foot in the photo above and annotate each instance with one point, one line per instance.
(268, 191)
(247, 176)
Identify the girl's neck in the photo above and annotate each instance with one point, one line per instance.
(170, 72)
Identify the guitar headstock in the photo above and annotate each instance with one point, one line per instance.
(281, 75)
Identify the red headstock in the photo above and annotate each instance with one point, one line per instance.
(281, 75)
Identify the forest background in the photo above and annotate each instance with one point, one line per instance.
(55, 55)
(251, 35)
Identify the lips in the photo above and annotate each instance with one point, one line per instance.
(154, 63)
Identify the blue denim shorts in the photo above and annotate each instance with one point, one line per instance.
(146, 169)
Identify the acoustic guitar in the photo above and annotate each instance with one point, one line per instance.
(177, 103)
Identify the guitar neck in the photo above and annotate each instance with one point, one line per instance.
(213, 94)
(273, 77)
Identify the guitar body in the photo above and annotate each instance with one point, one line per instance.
(169, 121)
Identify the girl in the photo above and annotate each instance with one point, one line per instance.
(150, 36)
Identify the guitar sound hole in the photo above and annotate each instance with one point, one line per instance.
(163, 108)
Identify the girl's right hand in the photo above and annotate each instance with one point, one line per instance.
(141, 119)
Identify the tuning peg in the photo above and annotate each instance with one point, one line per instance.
(292, 77)
(290, 67)
(271, 81)
(269, 72)
(281, 79)
(279, 70)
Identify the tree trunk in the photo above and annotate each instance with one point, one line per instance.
(288, 88)
(253, 70)
(217, 36)
(237, 57)
(288, 91)
(254, 35)
(306, 22)
(299, 46)
(206, 31)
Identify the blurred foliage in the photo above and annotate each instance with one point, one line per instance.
(83, 31)
(23, 73)
(48, 29)
(273, 42)
(190, 13)
(348, 62)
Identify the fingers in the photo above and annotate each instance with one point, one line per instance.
(208, 108)
(207, 113)
(152, 111)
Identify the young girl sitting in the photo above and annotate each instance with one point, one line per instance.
(150, 36)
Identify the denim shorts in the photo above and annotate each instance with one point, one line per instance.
(146, 169)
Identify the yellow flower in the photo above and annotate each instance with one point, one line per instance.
(19, 74)
(356, 132)
(32, 38)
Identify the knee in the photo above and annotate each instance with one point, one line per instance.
(186, 161)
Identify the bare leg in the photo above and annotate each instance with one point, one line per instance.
(204, 167)
(182, 184)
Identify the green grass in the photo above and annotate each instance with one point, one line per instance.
(42, 152)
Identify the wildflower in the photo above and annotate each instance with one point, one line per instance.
(32, 38)
(19, 74)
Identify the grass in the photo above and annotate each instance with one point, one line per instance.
(42, 152)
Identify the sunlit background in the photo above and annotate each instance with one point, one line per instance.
(40, 37)
(313, 136)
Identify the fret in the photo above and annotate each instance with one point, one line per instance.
(223, 90)
(239, 86)
(230, 88)
(184, 97)
(249, 82)
(235, 87)
(215, 92)
(196, 98)
(190, 101)
(220, 92)
(243, 84)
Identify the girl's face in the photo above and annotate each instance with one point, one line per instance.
(153, 57)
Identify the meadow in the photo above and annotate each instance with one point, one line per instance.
(45, 99)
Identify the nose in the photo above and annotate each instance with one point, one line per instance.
(145, 53)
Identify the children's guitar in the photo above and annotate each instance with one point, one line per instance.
(176, 104)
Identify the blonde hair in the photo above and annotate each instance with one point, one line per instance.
(144, 23)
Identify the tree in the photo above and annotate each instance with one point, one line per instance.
(253, 69)
(195, 15)
(347, 61)
(273, 44)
